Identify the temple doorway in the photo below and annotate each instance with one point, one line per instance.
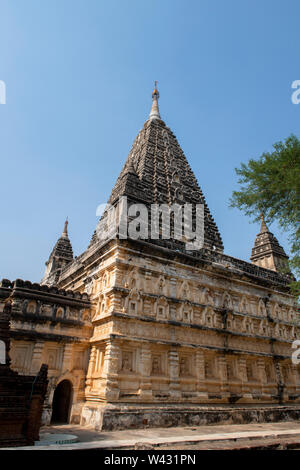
(61, 404)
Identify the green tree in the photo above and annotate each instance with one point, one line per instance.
(271, 185)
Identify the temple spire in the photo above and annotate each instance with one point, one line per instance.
(146, 179)
(60, 257)
(154, 114)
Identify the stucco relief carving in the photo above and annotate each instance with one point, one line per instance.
(161, 307)
(156, 368)
(262, 308)
(127, 361)
(184, 366)
(227, 301)
(133, 303)
(247, 325)
(291, 315)
(276, 312)
(185, 313)
(184, 291)
(230, 369)
(244, 305)
(101, 306)
(206, 297)
(208, 317)
(210, 368)
(134, 280)
(263, 328)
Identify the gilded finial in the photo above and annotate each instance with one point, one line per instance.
(155, 91)
(154, 114)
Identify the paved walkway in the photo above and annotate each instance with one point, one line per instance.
(176, 438)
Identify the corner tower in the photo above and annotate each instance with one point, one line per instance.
(267, 252)
(60, 257)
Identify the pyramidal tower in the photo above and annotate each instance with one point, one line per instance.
(60, 257)
(157, 172)
(266, 251)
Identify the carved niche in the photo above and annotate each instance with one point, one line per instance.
(161, 285)
(162, 308)
(134, 280)
(263, 328)
(209, 368)
(276, 311)
(133, 304)
(262, 308)
(247, 325)
(127, 361)
(186, 312)
(184, 291)
(208, 317)
(244, 305)
(206, 297)
(60, 313)
(156, 367)
(31, 306)
(184, 366)
(103, 306)
(227, 301)
(230, 369)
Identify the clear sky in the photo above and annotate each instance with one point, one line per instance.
(79, 76)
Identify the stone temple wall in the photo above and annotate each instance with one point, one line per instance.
(138, 327)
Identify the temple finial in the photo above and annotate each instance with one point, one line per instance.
(155, 91)
(154, 114)
(65, 232)
(263, 226)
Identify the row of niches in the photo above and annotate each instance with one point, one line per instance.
(33, 307)
(140, 284)
(23, 354)
(206, 316)
(185, 312)
(209, 367)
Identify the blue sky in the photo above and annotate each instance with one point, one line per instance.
(79, 76)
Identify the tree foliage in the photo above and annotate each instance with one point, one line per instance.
(271, 185)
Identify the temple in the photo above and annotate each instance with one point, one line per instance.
(145, 331)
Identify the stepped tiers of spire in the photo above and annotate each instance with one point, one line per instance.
(267, 252)
(60, 257)
(157, 172)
